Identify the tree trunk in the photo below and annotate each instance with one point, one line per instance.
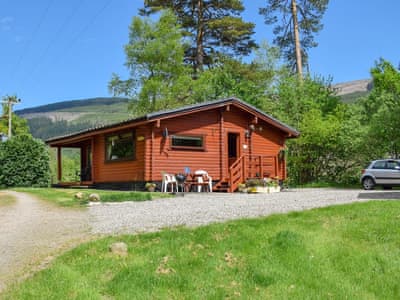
(299, 63)
(198, 65)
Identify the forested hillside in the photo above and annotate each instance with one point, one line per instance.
(65, 117)
(72, 105)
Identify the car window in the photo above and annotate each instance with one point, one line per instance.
(367, 165)
(391, 164)
(379, 165)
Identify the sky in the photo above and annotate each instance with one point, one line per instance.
(54, 50)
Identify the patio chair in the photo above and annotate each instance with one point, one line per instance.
(168, 179)
(205, 178)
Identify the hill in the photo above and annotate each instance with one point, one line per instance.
(64, 117)
(350, 91)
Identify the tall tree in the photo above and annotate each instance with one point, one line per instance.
(154, 56)
(296, 22)
(211, 27)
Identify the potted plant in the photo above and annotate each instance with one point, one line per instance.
(242, 187)
(266, 185)
(150, 186)
(273, 186)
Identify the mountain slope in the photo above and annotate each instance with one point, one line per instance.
(64, 117)
(350, 91)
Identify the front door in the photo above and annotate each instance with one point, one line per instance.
(233, 147)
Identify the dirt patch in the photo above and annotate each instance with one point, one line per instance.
(32, 232)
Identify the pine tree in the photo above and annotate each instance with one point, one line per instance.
(296, 23)
(210, 28)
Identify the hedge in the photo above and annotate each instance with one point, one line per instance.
(24, 161)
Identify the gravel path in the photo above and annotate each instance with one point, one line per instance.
(31, 231)
(199, 209)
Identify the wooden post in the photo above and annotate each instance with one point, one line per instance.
(244, 167)
(59, 164)
(91, 159)
(221, 150)
(261, 166)
(152, 154)
(276, 165)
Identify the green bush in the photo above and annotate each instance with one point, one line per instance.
(24, 161)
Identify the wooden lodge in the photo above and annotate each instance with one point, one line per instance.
(230, 139)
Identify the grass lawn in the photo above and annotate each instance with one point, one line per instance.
(6, 199)
(340, 252)
(65, 197)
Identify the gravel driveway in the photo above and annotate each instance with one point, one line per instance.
(198, 209)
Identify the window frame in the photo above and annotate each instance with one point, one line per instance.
(129, 158)
(190, 148)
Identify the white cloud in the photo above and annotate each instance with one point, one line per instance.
(5, 23)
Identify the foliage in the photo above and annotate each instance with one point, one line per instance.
(381, 110)
(44, 128)
(247, 81)
(326, 151)
(154, 55)
(330, 147)
(292, 98)
(339, 252)
(24, 161)
(66, 197)
(210, 27)
(309, 16)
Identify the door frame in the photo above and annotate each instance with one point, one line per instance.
(238, 148)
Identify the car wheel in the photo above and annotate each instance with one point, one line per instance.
(368, 183)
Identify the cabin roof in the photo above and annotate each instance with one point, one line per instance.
(184, 110)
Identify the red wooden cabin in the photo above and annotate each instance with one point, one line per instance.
(230, 139)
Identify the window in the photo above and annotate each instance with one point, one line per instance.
(120, 147)
(392, 165)
(187, 142)
(379, 164)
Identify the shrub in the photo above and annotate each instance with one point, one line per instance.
(24, 161)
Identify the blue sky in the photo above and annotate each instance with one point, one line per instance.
(62, 50)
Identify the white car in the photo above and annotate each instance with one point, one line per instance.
(383, 172)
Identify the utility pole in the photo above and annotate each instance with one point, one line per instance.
(10, 101)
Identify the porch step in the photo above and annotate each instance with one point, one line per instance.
(221, 187)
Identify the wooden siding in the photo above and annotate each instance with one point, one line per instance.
(160, 157)
(268, 141)
(120, 171)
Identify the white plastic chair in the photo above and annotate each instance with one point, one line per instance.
(168, 179)
(204, 178)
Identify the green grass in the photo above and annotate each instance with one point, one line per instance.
(6, 199)
(340, 252)
(66, 197)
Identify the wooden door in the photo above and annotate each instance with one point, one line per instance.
(233, 147)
